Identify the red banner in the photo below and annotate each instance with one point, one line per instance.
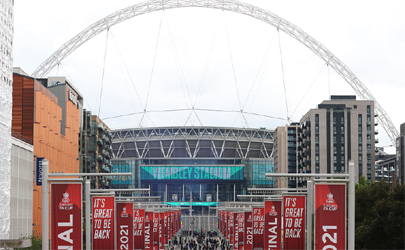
(272, 223)
(166, 230)
(148, 230)
(103, 222)
(241, 229)
(330, 216)
(66, 216)
(155, 228)
(258, 228)
(230, 227)
(248, 238)
(139, 220)
(161, 227)
(235, 231)
(294, 222)
(171, 225)
(227, 234)
(220, 221)
(125, 225)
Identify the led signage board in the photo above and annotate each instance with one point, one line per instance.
(187, 204)
(191, 173)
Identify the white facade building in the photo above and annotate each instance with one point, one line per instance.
(6, 80)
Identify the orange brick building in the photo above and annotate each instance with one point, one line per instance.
(37, 115)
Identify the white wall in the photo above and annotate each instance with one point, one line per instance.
(6, 79)
(22, 160)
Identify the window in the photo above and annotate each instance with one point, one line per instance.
(342, 129)
(316, 138)
(334, 120)
(368, 109)
(342, 148)
(342, 119)
(355, 106)
(359, 129)
(360, 148)
(342, 139)
(334, 139)
(317, 118)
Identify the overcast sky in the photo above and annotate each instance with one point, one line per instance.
(201, 55)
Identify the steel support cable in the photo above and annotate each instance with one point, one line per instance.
(233, 70)
(198, 109)
(309, 89)
(178, 64)
(181, 73)
(282, 71)
(204, 74)
(127, 71)
(152, 70)
(207, 63)
(126, 84)
(102, 75)
(259, 71)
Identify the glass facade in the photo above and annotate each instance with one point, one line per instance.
(180, 183)
(191, 172)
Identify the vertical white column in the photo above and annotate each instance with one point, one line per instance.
(88, 205)
(45, 205)
(352, 199)
(310, 206)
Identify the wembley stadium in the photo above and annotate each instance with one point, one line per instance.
(204, 165)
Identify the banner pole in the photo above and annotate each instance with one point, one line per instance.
(45, 205)
(88, 205)
(310, 206)
(352, 193)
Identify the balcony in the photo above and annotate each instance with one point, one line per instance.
(100, 142)
(375, 123)
(375, 113)
(368, 141)
(376, 140)
(107, 141)
(100, 126)
(307, 143)
(100, 158)
(307, 133)
(376, 132)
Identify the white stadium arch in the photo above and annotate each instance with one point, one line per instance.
(228, 5)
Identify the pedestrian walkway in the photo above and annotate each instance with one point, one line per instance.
(198, 242)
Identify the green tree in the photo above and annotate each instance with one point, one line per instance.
(379, 216)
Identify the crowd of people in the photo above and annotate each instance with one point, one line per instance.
(206, 240)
